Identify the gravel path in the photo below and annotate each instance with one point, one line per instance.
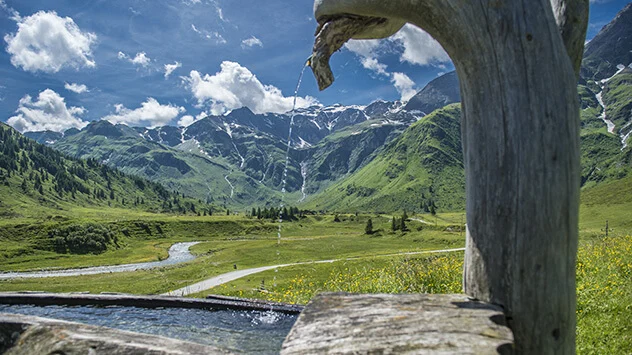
(234, 275)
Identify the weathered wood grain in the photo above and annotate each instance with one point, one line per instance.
(337, 323)
(572, 20)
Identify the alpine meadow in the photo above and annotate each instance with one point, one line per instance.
(127, 171)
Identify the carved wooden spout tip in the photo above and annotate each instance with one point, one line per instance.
(333, 33)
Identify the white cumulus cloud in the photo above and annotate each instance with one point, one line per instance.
(374, 65)
(368, 51)
(47, 42)
(413, 46)
(251, 42)
(404, 85)
(235, 86)
(169, 68)
(363, 48)
(150, 114)
(77, 88)
(419, 47)
(47, 112)
(187, 120)
(140, 59)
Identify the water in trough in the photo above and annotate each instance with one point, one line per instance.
(245, 332)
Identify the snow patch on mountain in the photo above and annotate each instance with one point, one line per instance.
(316, 124)
(610, 124)
(232, 188)
(303, 143)
(620, 68)
(183, 130)
(304, 167)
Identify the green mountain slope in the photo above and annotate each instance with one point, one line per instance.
(345, 152)
(420, 170)
(186, 168)
(604, 156)
(617, 96)
(39, 182)
(611, 193)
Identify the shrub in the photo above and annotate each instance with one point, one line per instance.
(82, 239)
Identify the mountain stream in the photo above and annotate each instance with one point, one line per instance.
(178, 253)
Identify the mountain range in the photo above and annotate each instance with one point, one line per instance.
(381, 157)
(239, 159)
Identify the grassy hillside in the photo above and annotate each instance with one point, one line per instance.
(39, 183)
(345, 151)
(617, 96)
(419, 171)
(185, 169)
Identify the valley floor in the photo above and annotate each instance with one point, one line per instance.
(358, 262)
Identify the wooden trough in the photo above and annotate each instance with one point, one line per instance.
(332, 323)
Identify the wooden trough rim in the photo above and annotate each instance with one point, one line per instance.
(144, 301)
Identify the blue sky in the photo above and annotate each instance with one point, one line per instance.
(64, 63)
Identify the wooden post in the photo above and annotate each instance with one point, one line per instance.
(517, 65)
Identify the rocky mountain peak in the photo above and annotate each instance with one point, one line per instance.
(440, 92)
(611, 47)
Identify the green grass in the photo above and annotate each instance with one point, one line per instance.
(618, 98)
(399, 274)
(604, 265)
(26, 246)
(604, 296)
(610, 201)
(604, 286)
(226, 241)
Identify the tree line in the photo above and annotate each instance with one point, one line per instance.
(285, 213)
(41, 170)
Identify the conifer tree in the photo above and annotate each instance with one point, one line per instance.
(369, 227)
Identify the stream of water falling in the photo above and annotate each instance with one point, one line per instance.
(287, 162)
